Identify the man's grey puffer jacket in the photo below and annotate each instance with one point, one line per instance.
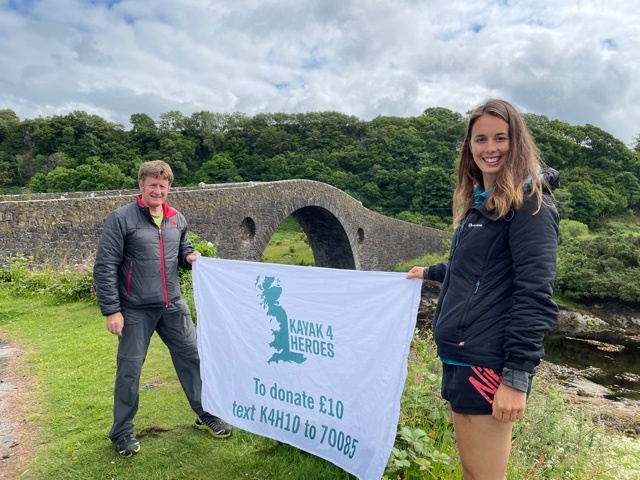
(137, 262)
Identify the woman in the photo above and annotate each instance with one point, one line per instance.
(495, 304)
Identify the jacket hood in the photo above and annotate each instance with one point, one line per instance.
(551, 179)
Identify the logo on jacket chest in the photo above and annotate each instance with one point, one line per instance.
(474, 225)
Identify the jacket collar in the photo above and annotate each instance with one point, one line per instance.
(167, 211)
(485, 212)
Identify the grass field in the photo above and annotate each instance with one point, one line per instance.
(69, 358)
(67, 349)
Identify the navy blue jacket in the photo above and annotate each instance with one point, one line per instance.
(495, 304)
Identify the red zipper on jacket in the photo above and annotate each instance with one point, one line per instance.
(162, 269)
(129, 273)
(167, 212)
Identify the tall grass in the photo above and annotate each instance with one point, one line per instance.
(553, 441)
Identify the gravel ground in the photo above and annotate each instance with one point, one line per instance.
(7, 435)
(17, 438)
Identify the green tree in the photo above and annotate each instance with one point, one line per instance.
(370, 194)
(90, 176)
(273, 141)
(210, 131)
(441, 125)
(560, 143)
(173, 121)
(220, 169)
(564, 202)
(433, 192)
(9, 146)
(600, 268)
(591, 201)
(144, 135)
(603, 151)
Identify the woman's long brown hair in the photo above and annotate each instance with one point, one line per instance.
(523, 163)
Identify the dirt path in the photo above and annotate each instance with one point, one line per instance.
(17, 436)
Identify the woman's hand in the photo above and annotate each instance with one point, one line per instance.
(416, 272)
(509, 404)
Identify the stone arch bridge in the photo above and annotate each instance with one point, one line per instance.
(63, 229)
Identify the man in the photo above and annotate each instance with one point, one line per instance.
(136, 276)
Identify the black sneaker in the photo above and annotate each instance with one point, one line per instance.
(214, 426)
(128, 446)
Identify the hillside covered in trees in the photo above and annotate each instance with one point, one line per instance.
(402, 167)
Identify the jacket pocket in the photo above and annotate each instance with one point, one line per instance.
(467, 306)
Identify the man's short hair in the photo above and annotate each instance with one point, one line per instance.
(155, 169)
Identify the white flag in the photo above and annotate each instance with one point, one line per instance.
(313, 357)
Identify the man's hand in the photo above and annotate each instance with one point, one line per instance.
(192, 257)
(115, 323)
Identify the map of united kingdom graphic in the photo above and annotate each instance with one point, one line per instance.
(270, 291)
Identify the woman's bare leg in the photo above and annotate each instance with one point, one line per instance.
(484, 444)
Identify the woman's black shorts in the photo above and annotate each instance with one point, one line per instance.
(470, 390)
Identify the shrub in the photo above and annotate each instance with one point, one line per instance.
(600, 268)
(572, 229)
(69, 282)
(207, 249)
(75, 282)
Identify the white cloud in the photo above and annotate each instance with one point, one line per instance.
(574, 60)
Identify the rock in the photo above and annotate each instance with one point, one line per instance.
(574, 323)
(620, 417)
(587, 388)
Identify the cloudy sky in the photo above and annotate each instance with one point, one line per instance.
(574, 60)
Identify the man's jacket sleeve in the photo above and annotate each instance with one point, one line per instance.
(109, 257)
(185, 248)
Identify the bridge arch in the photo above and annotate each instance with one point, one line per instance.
(328, 239)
